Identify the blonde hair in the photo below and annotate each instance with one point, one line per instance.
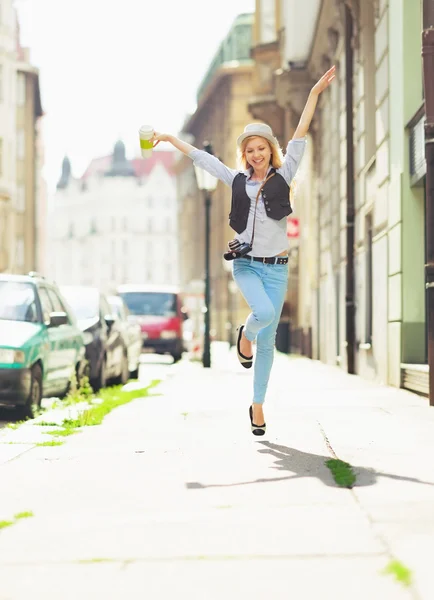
(276, 157)
(276, 153)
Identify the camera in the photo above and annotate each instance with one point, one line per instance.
(237, 249)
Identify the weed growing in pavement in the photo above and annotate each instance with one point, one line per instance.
(62, 432)
(401, 573)
(16, 425)
(184, 414)
(46, 424)
(342, 472)
(78, 393)
(50, 443)
(109, 398)
(21, 515)
(24, 515)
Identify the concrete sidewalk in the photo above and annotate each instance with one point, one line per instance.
(172, 496)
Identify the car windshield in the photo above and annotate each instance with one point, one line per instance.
(83, 301)
(17, 302)
(157, 304)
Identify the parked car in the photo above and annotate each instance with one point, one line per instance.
(105, 347)
(41, 345)
(158, 310)
(131, 333)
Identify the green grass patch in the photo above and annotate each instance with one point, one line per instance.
(110, 398)
(342, 472)
(62, 432)
(46, 424)
(16, 425)
(21, 515)
(26, 514)
(50, 443)
(401, 573)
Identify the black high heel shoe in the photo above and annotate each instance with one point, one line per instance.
(246, 361)
(256, 429)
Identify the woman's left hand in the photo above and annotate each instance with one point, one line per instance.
(325, 81)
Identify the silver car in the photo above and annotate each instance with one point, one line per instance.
(130, 331)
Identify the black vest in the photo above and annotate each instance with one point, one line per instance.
(275, 194)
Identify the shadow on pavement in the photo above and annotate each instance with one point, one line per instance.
(305, 464)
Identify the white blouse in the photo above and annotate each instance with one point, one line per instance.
(270, 235)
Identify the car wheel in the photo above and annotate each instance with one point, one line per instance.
(101, 379)
(176, 357)
(33, 404)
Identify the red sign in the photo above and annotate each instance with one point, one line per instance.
(292, 227)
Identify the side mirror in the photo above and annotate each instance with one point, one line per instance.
(57, 319)
(184, 316)
(109, 320)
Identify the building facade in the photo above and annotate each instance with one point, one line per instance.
(221, 114)
(358, 264)
(22, 189)
(117, 224)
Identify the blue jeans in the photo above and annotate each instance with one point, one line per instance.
(264, 288)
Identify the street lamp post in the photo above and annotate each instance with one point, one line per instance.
(227, 267)
(207, 184)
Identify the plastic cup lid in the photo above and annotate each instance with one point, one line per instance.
(146, 129)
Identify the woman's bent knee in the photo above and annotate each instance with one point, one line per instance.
(265, 315)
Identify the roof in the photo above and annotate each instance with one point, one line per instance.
(98, 166)
(141, 166)
(31, 277)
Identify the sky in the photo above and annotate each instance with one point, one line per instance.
(106, 68)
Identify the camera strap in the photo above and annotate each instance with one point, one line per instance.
(256, 205)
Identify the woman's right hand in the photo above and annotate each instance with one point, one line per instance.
(160, 137)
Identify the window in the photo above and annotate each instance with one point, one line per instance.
(17, 302)
(19, 252)
(150, 226)
(267, 11)
(55, 301)
(21, 89)
(20, 204)
(21, 144)
(369, 69)
(368, 277)
(45, 304)
(150, 202)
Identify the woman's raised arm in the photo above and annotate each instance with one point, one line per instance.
(176, 142)
(309, 109)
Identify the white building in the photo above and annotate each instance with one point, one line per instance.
(116, 224)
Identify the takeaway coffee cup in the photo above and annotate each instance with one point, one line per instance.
(145, 133)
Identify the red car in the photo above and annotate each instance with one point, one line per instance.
(158, 310)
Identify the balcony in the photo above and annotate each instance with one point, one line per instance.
(235, 48)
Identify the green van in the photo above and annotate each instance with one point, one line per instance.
(41, 346)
